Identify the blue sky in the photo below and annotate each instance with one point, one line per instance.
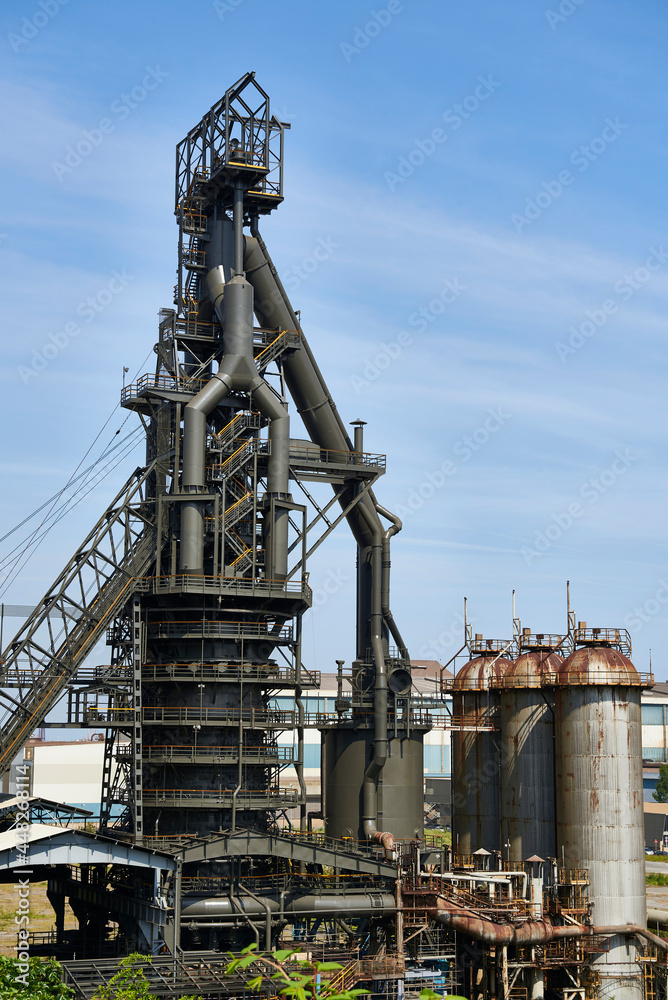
(489, 181)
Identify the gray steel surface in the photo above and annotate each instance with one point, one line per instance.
(600, 798)
(527, 788)
(475, 756)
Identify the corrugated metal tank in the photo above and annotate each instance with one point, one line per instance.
(600, 799)
(475, 754)
(526, 720)
(346, 755)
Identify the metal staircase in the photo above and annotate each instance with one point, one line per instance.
(74, 614)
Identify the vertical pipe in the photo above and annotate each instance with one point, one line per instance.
(300, 726)
(374, 770)
(238, 215)
(177, 911)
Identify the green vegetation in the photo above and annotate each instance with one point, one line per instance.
(654, 878)
(295, 980)
(32, 980)
(302, 980)
(661, 793)
(130, 982)
(438, 838)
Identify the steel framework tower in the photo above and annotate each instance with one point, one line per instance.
(197, 572)
(196, 575)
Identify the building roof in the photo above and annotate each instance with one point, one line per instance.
(40, 804)
(659, 692)
(59, 845)
(431, 669)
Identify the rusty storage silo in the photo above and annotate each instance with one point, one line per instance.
(599, 793)
(526, 721)
(475, 748)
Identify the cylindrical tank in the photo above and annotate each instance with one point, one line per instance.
(347, 753)
(475, 754)
(600, 799)
(526, 721)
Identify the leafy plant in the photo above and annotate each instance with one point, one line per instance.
(300, 980)
(661, 792)
(428, 994)
(41, 981)
(130, 982)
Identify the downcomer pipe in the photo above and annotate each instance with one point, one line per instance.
(394, 529)
(233, 302)
(316, 408)
(379, 759)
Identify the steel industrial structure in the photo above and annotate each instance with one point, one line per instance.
(196, 575)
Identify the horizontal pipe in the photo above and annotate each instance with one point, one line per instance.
(532, 932)
(221, 907)
(629, 929)
(655, 916)
(487, 877)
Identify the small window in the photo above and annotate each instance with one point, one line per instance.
(652, 715)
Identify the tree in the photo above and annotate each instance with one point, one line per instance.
(661, 793)
(130, 982)
(39, 981)
(302, 980)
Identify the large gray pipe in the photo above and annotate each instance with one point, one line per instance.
(379, 759)
(325, 427)
(222, 907)
(233, 302)
(388, 618)
(316, 408)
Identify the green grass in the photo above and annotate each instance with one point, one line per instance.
(438, 838)
(656, 878)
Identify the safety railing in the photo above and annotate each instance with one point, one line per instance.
(271, 798)
(170, 754)
(263, 673)
(218, 630)
(232, 585)
(313, 454)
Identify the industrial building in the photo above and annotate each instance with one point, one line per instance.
(196, 578)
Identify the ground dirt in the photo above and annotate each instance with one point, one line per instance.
(42, 917)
